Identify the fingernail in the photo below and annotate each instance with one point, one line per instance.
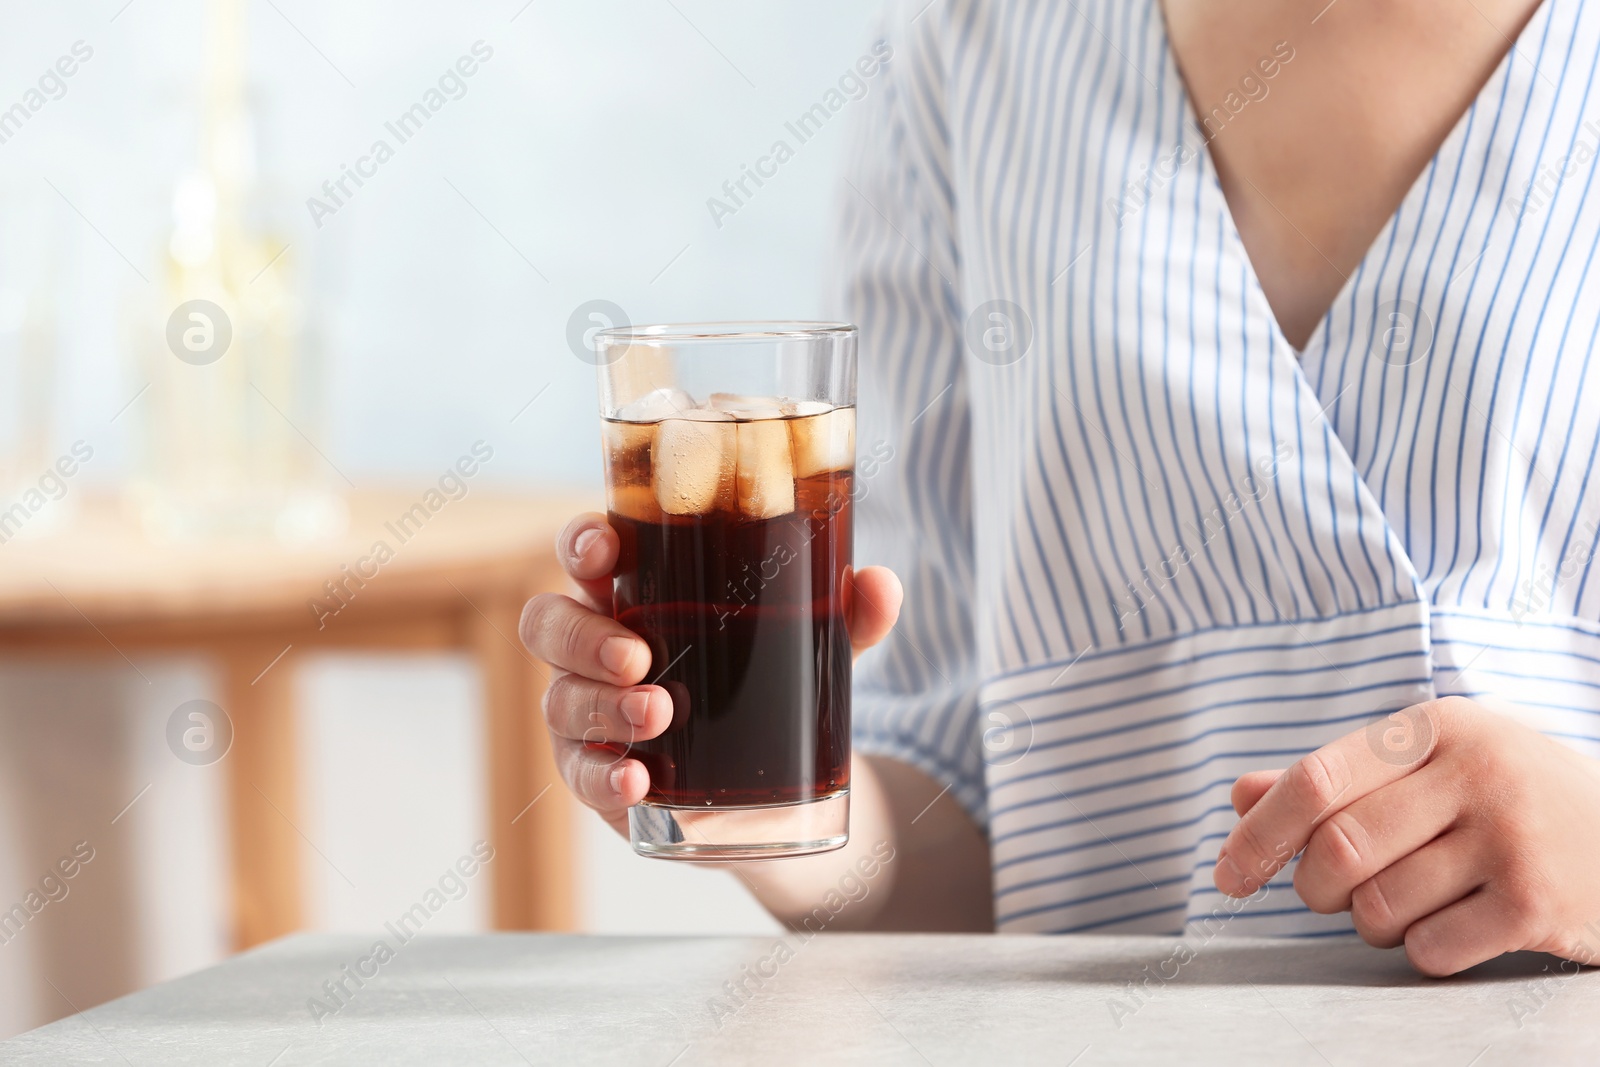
(584, 542)
(616, 653)
(635, 707)
(618, 773)
(1230, 879)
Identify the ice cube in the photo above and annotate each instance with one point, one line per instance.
(693, 461)
(657, 404)
(766, 469)
(825, 442)
(636, 502)
(804, 408)
(738, 401)
(757, 414)
(748, 407)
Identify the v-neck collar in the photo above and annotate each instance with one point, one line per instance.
(1515, 65)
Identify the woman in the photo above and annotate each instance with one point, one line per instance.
(1234, 360)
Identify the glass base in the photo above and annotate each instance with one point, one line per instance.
(768, 831)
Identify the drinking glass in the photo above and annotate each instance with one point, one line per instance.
(730, 460)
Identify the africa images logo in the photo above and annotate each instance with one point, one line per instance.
(199, 732)
(199, 332)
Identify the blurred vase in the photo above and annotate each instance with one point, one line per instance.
(29, 365)
(233, 405)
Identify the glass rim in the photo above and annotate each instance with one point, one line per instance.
(714, 332)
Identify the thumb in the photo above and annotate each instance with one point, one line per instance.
(872, 597)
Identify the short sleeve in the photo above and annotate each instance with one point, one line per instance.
(897, 264)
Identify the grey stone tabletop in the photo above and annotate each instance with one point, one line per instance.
(833, 999)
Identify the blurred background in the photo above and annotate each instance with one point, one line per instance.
(239, 322)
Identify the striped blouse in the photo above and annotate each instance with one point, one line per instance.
(1148, 546)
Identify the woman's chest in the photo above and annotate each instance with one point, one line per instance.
(1127, 362)
(1303, 135)
(1320, 117)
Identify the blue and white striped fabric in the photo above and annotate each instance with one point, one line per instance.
(1156, 547)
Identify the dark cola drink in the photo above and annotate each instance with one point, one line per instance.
(735, 526)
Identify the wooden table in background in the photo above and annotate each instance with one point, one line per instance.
(458, 583)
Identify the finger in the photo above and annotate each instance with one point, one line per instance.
(1334, 776)
(1480, 927)
(872, 604)
(1361, 839)
(582, 709)
(600, 778)
(588, 547)
(1251, 787)
(568, 635)
(1435, 876)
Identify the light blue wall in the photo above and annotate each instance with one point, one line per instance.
(591, 141)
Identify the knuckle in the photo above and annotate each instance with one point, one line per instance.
(1426, 953)
(581, 774)
(1308, 889)
(1450, 718)
(1315, 889)
(1321, 778)
(1504, 812)
(536, 621)
(571, 633)
(1528, 906)
(528, 622)
(569, 705)
(1343, 844)
(589, 713)
(1374, 918)
(1254, 859)
(567, 756)
(591, 782)
(1499, 774)
(553, 700)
